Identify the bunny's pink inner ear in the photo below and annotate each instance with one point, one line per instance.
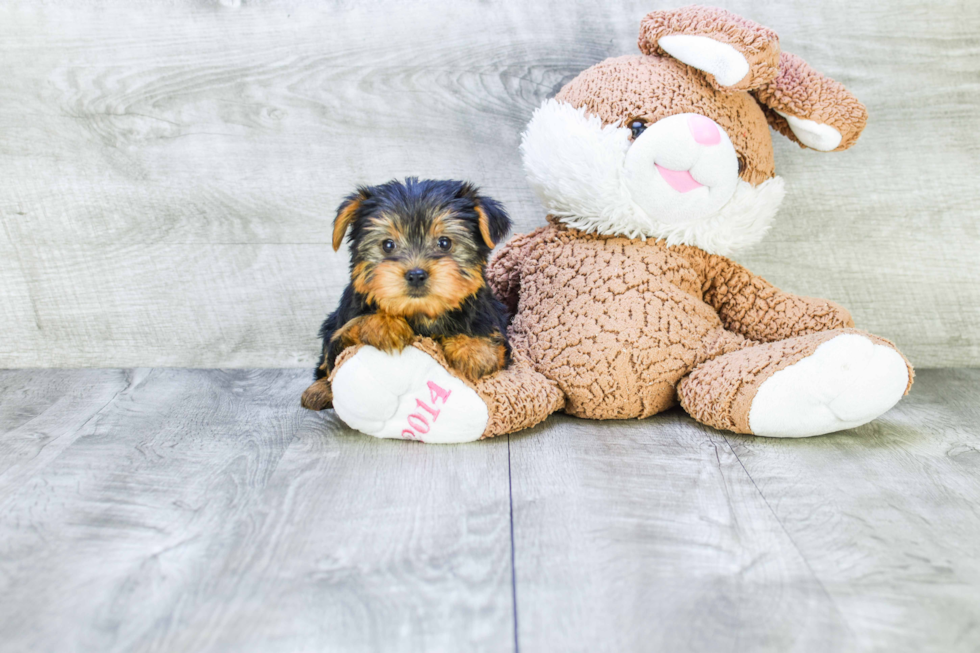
(735, 54)
(813, 110)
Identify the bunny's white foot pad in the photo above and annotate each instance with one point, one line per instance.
(406, 395)
(846, 382)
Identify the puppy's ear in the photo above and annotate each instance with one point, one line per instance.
(734, 53)
(346, 212)
(813, 110)
(494, 221)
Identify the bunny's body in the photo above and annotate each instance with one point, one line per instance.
(618, 323)
(653, 168)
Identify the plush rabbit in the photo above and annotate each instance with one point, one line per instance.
(653, 168)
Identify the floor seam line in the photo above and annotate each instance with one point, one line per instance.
(513, 567)
(796, 548)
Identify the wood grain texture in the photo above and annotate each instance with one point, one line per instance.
(649, 535)
(888, 515)
(663, 534)
(168, 173)
(41, 416)
(204, 510)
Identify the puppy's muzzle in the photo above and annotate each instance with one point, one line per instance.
(416, 278)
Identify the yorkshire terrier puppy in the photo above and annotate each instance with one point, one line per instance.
(419, 251)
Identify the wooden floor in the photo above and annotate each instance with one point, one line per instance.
(202, 510)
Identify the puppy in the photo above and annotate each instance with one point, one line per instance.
(419, 250)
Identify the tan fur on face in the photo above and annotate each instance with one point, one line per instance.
(448, 287)
(451, 283)
(464, 250)
(474, 357)
(453, 276)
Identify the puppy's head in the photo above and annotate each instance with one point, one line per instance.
(419, 248)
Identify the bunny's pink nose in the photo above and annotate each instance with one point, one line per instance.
(704, 130)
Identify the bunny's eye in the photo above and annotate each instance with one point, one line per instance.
(637, 126)
(741, 165)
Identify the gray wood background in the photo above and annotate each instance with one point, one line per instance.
(169, 171)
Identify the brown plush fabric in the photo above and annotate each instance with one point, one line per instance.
(801, 91)
(753, 307)
(622, 88)
(518, 398)
(619, 323)
(758, 44)
(719, 392)
(503, 276)
(616, 323)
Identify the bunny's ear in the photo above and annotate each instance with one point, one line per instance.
(813, 110)
(735, 54)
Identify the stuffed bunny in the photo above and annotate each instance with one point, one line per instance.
(653, 168)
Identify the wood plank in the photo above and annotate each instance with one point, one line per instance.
(204, 510)
(165, 149)
(41, 415)
(649, 535)
(664, 535)
(888, 515)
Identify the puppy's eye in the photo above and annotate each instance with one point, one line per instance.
(741, 165)
(637, 126)
(388, 246)
(445, 243)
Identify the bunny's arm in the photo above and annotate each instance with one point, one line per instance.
(751, 306)
(504, 270)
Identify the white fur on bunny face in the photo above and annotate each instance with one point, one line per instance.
(706, 174)
(580, 170)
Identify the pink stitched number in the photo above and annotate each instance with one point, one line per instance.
(436, 392)
(421, 424)
(424, 406)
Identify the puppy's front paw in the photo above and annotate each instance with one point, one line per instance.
(474, 357)
(385, 332)
(318, 396)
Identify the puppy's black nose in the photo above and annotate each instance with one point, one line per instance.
(416, 277)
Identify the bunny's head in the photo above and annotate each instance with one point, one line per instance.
(674, 143)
